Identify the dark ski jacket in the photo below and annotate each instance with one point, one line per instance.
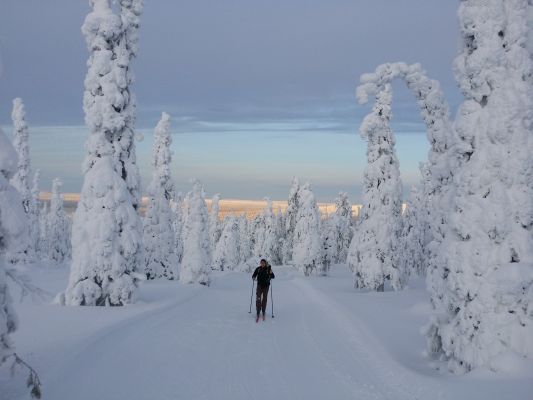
(264, 275)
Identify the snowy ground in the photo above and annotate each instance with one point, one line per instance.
(190, 342)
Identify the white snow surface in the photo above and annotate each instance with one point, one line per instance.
(327, 341)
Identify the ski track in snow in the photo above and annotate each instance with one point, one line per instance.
(211, 348)
(191, 342)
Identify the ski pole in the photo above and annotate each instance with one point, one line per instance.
(251, 296)
(272, 298)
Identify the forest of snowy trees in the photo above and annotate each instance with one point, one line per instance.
(467, 228)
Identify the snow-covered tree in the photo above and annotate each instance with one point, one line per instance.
(21, 179)
(291, 213)
(482, 287)
(159, 238)
(106, 234)
(446, 150)
(126, 50)
(13, 223)
(25, 251)
(35, 213)
(176, 205)
(245, 244)
(307, 250)
(13, 228)
(43, 242)
(280, 230)
(227, 252)
(373, 262)
(196, 262)
(337, 231)
(266, 243)
(214, 222)
(413, 238)
(58, 226)
(329, 242)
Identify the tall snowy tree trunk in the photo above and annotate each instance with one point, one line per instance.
(158, 236)
(58, 227)
(372, 258)
(308, 246)
(214, 222)
(484, 300)
(293, 205)
(106, 238)
(24, 251)
(12, 229)
(196, 263)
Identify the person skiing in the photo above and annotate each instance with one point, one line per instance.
(264, 274)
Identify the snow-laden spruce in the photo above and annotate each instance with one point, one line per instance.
(35, 216)
(176, 206)
(160, 260)
(245, 245)
(215, 228)
(196, 261)
(58, 227)
(413, 238)
(484, 301)
(21, 179)
(126, 51)
(227, 252)
(106, 234)
(307, 245)
(337, 232)
(373, 261)
(43, 245)
(13, 227)
(24, 252)
(329, 242)
(266, 243)
(293, 205)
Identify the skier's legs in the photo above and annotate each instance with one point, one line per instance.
(265, 299)
(258, 293)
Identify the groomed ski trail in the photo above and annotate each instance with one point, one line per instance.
(208, 346)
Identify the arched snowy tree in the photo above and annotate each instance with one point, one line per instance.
(447, 152)
(58, 227)
(373, 262)
(159, 239)
(293, 206)
(227, 252)
(24, 252)
(106, 234)
(196, 262)
(307, 250)
(482, 287)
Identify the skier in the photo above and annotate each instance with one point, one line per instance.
(264, 274)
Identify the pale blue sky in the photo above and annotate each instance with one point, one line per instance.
(258, 91)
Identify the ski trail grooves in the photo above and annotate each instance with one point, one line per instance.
(381, 374)
(207, 346)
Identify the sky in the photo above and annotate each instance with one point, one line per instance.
(258, 91)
